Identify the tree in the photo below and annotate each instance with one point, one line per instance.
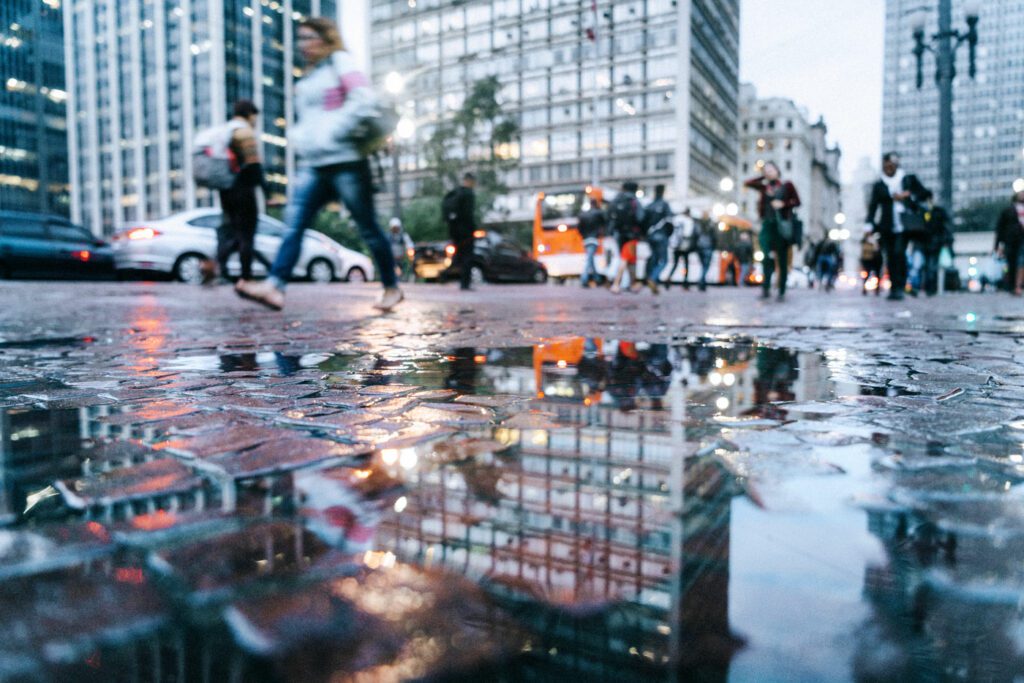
(980, 216)
(478, 137)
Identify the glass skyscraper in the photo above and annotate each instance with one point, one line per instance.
(33, 128)
(988, 111)
(617, 97)
(147, 75)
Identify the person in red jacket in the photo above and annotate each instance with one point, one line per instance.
(777, 200)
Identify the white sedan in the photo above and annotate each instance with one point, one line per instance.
(178, 245)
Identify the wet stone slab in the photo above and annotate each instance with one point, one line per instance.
(463, 494)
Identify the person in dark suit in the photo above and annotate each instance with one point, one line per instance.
(461, 227)
(894, 198)
(1009, 239)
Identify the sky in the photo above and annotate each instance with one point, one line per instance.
(825, 55)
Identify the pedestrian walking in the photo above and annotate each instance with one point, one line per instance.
(894, 212)
(827, 264)
(592, 223)
(870, 262)
(334, 105)
(238, 202)
(1009, 239)
(658, 226)
(745, 255)
(938, 232)
(402, 248)
(459, 212)
(776, 204)
(705, 240)
(681, 244)
(625, 219)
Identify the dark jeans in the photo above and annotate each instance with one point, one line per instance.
(776, 256)
(659, 257)
(826, 268)
(314, 187)
(684, 256)
(241, 213)
(463, 261)
(930, 272)
(894, 246)
(705, 264)
(1012, 254)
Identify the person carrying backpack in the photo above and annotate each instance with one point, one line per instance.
(658, 225)
(339, 118)
(232, 147)
(458, 209)
(592, 224)
(625, 219)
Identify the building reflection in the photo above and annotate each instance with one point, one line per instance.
(607, 533)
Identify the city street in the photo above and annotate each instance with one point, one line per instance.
(514, 483)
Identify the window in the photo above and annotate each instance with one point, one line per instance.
(66, 232)
(212, 220)
(22, 227)
(268, 227)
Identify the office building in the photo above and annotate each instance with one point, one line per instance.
(147, 76)
(653, 98)
(988, 111)
(33, 128)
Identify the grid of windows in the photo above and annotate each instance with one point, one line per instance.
(988, 112)
(156, 72)
(33, 129)
(619, 105)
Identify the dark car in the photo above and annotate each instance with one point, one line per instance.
(495, 259)
(40, 245)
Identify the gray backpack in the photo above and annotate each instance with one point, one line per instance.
(213, 162)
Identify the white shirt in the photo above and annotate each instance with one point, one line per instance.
(894, 183)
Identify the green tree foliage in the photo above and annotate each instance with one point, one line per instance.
(980, 216)
(477, 138)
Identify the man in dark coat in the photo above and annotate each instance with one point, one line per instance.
(895, 197)
(1009, 239)
(461, 218)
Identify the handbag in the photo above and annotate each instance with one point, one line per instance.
(791, 229)
(913, 224)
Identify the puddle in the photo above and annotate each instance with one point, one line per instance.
(596, 507)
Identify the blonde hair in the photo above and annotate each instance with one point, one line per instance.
(326, 29)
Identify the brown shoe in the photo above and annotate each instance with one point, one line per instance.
(263, 293)
(208, 270)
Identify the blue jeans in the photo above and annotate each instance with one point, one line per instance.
(315, 187)
(659, 257)
(590, 267)
(705, 265)
(826, 267)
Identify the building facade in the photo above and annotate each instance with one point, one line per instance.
(597, 95)
(988, 111)
(146, 76)
(33, 127)
(776, 129)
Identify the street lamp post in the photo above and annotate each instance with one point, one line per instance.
(946, 42)
(394, 84)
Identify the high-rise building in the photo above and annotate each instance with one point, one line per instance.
(652, 97)
(146, 76)
(33, 128)
(988, 111)
(776, 129)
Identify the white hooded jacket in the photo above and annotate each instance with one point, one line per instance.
(331, 101)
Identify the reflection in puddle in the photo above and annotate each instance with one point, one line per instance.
(559, 509)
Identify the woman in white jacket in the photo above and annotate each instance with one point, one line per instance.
(331, 102)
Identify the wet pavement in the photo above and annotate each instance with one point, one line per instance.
(525, 483)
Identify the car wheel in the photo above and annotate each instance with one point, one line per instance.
(320, 270)
(356, 274)
(476, 276)
(189, 268)
(540, 276)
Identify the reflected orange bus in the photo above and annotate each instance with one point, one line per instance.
(555, 369)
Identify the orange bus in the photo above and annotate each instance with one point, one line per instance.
(556, 370)
(557, 242)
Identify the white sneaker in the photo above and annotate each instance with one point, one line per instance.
(391, 297)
